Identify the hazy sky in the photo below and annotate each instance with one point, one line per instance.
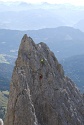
(75, 2)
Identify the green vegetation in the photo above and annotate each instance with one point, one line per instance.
(3, 103)
(3, 59)
(42, 61)
(5, 75)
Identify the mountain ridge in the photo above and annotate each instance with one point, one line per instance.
(70, 38)
(74, 68)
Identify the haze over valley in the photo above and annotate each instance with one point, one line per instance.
(30, 16)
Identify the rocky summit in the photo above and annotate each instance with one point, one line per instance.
(40, 94)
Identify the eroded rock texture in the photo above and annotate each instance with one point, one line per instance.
(40, 94)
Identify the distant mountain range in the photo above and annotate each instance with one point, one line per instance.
(64, 41)
(80, 25)
(26, 16)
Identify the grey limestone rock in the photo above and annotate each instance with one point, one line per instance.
(40, 94)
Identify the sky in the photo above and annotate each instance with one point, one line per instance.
(74, 2)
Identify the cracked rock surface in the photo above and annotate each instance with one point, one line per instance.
(40, 94)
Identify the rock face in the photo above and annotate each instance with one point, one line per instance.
(40, 94)
(1, 121)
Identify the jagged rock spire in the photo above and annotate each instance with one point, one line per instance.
(40, 94)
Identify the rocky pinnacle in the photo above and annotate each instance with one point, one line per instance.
(40, 94)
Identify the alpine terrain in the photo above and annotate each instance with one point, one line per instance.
(40, 94)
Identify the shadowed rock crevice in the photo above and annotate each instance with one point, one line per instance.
(40, 94)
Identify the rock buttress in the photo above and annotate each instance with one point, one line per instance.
(40, 94)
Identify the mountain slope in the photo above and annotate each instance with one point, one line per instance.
(80, 25)
(40, 94)
(74, 68)
(64, 41)
(3, 103)
(5, 75)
